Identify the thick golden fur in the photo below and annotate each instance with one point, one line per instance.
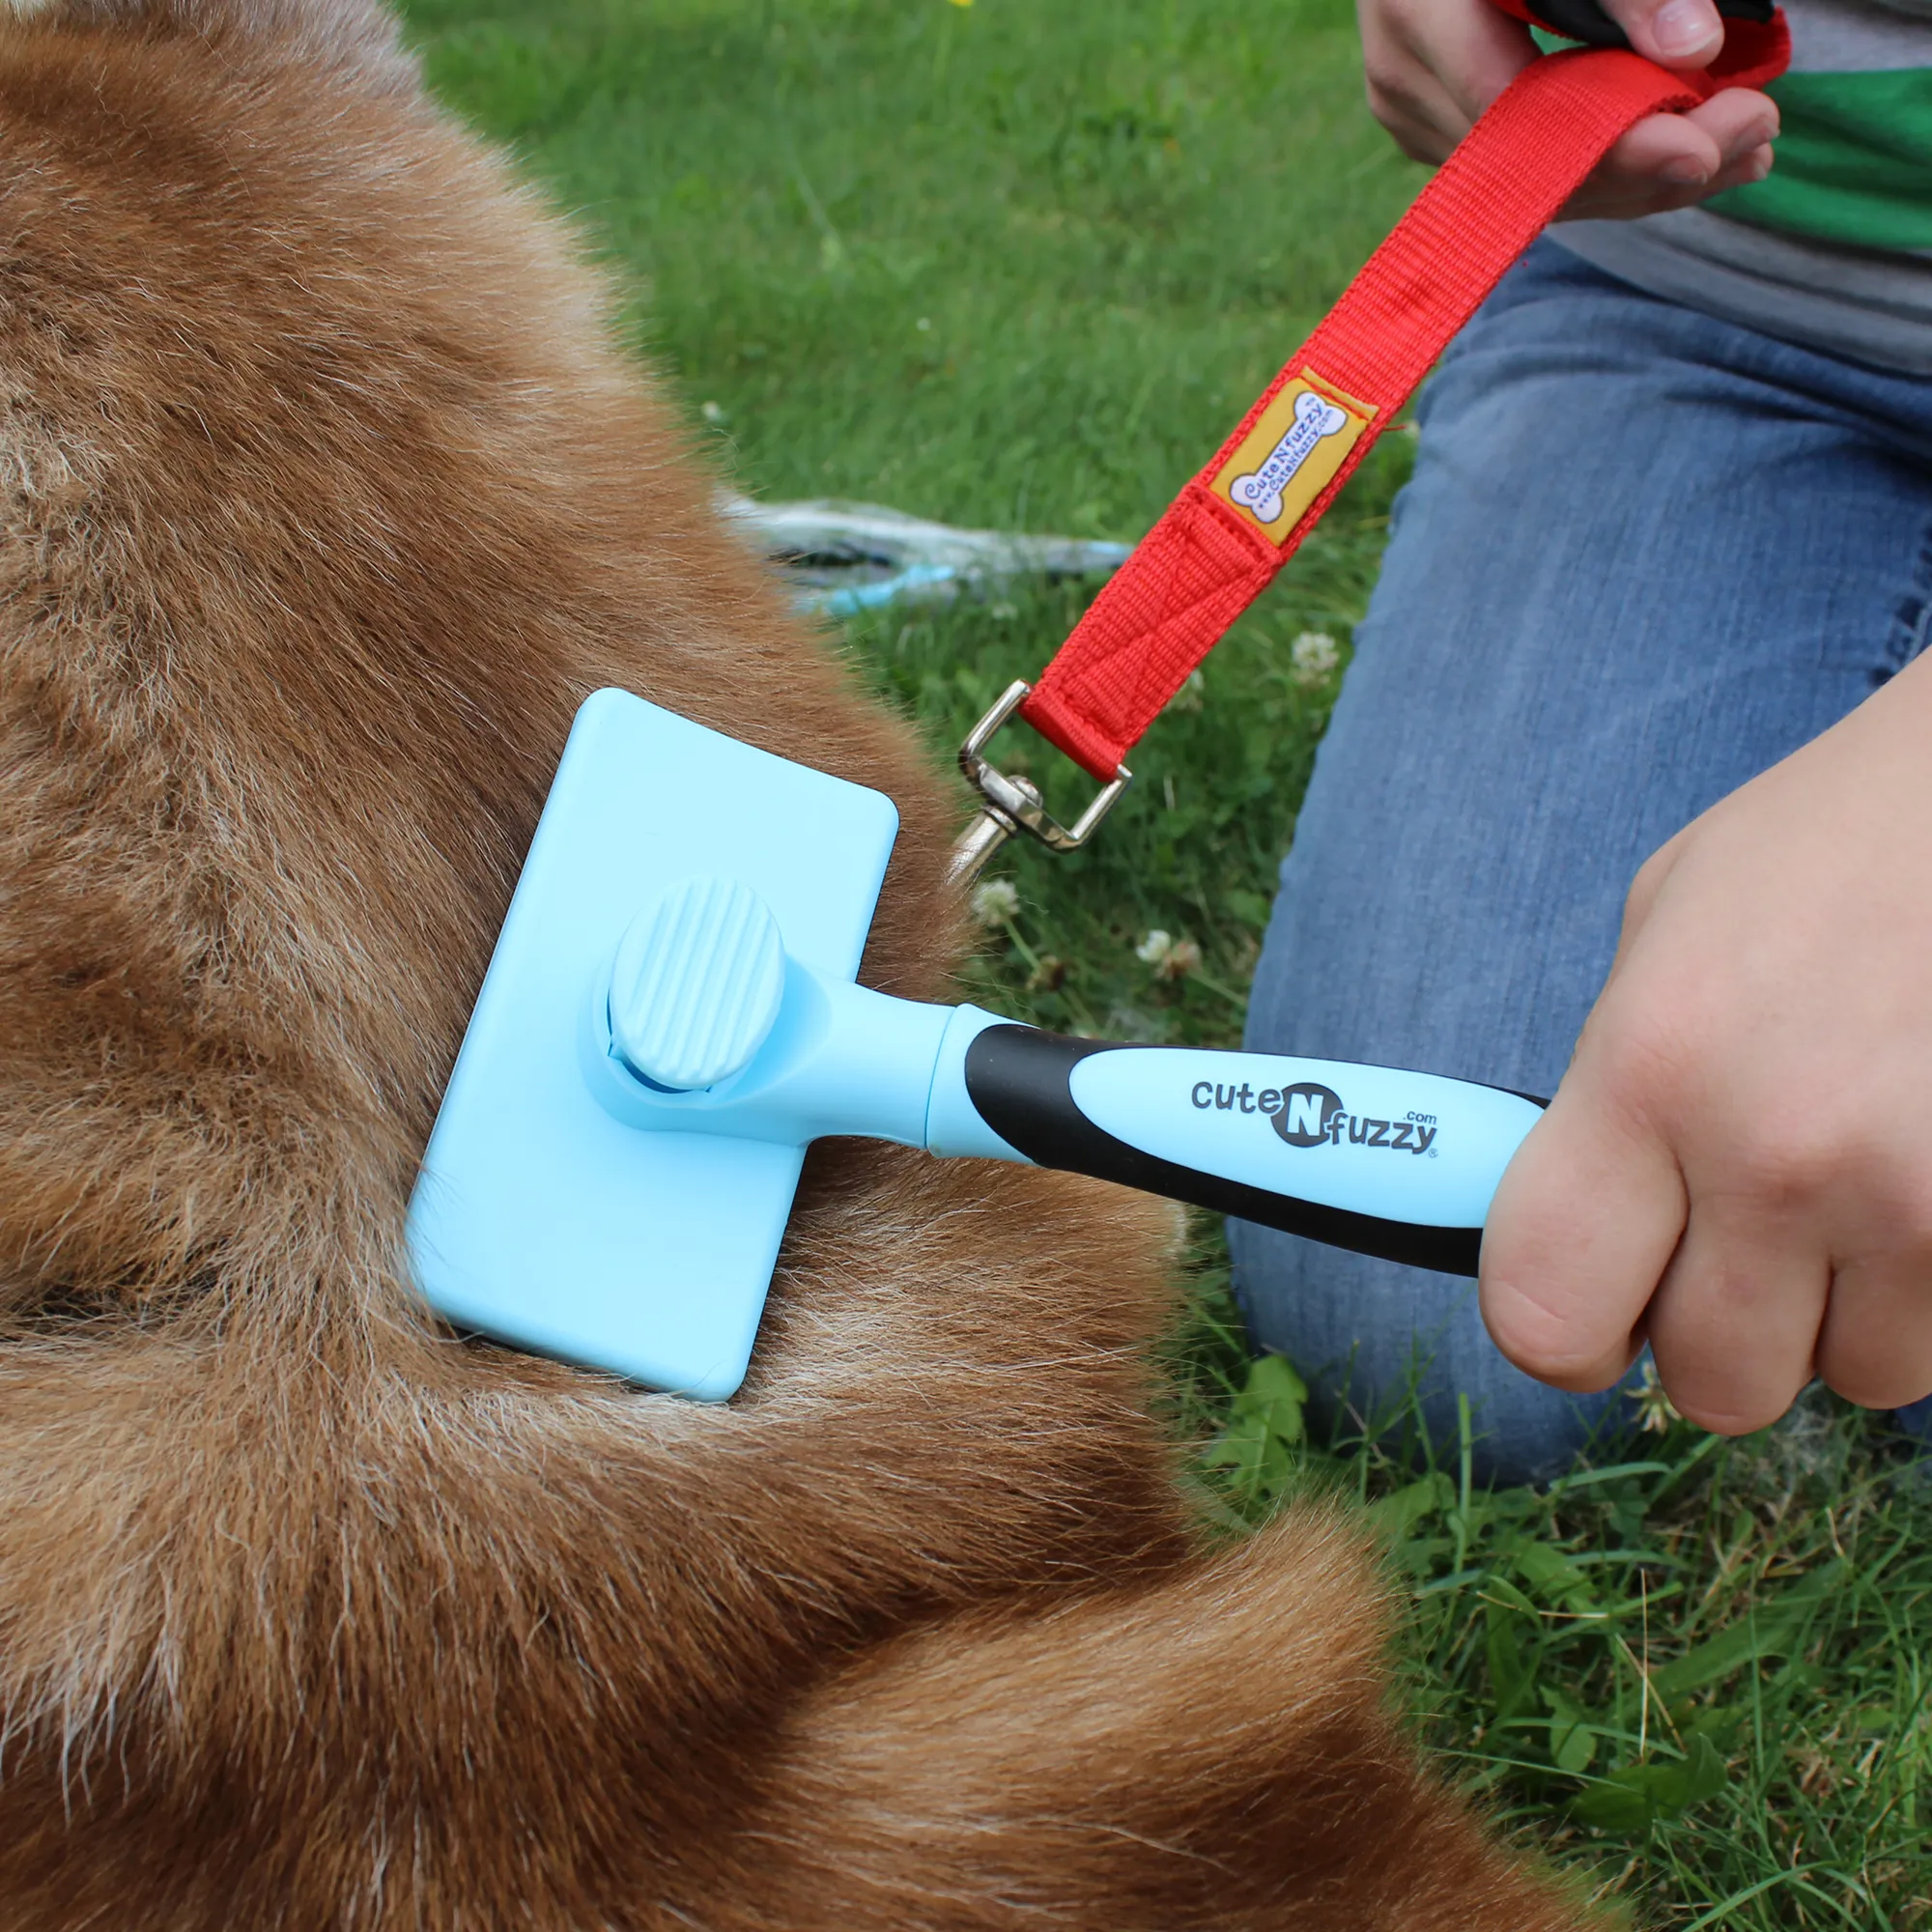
(323, 503)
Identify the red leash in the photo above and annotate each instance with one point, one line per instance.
(1220, 543)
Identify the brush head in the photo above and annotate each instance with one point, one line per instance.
(672, 871)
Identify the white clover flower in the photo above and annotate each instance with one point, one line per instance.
(1191, 694)
(712, 412)
(1313, 658)
(1170, 957)
(996, 901)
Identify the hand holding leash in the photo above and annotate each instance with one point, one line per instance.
(1435, 66)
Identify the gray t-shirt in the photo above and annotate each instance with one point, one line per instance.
(1798, 259)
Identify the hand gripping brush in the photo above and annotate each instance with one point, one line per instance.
(670, 1018)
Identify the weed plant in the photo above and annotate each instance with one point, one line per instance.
(1020, 263)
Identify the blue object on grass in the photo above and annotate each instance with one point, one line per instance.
(916, 580)
(842, 559)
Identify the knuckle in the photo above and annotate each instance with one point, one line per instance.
(1384, 101)
(1775, 1176)
(1390, 99)
(1790, 1146)
(1645, 1057)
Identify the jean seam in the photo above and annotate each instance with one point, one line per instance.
(1913, 618)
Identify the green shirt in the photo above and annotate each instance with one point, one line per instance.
(1833, 248)
(1855, 157)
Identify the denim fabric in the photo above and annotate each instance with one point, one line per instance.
(1645, 554)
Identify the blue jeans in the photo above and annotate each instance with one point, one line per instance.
(1644, 555)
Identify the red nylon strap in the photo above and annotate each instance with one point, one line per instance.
(1212, 554)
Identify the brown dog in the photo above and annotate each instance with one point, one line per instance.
(326, 501)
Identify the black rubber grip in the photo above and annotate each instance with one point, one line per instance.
(1020, 1080)
(1586, 19)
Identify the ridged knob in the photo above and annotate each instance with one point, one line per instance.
(696, 984)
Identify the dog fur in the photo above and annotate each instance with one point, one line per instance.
(323, 500)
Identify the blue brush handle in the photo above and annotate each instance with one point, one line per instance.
(1370, 1158)
(705, 1025)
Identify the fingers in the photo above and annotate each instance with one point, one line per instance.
(1746, 1307)
(1584, 1223)
(1734, 1324)
(1752, 1306)
(1692, 149)
(1674, 160)
(1875, 1347)
(1673, 33)
(1433, 66)
(1739, 1162)
(1744, 1271)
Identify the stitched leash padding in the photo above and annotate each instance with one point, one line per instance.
(1208, 558)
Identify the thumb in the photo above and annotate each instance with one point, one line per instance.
(1584, 1224)
(1673, 33)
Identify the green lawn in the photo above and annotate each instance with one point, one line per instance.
(1022, 263)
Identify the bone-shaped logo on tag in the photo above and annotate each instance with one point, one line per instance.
(1261, 491)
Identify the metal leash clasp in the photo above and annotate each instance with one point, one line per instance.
(1010, 804)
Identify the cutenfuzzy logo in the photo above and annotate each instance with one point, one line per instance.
(1296, 447)
(1310, 1114)
(1261, 491)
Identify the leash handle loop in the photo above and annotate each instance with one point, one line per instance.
(1231, 529)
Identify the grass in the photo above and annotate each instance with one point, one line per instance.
(1021, 265)
(997, 264)
(1698, 1673)
(1007, 265)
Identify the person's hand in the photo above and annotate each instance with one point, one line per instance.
(1737, 1165)
(1433, 66)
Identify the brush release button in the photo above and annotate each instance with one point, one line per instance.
(695, 985)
